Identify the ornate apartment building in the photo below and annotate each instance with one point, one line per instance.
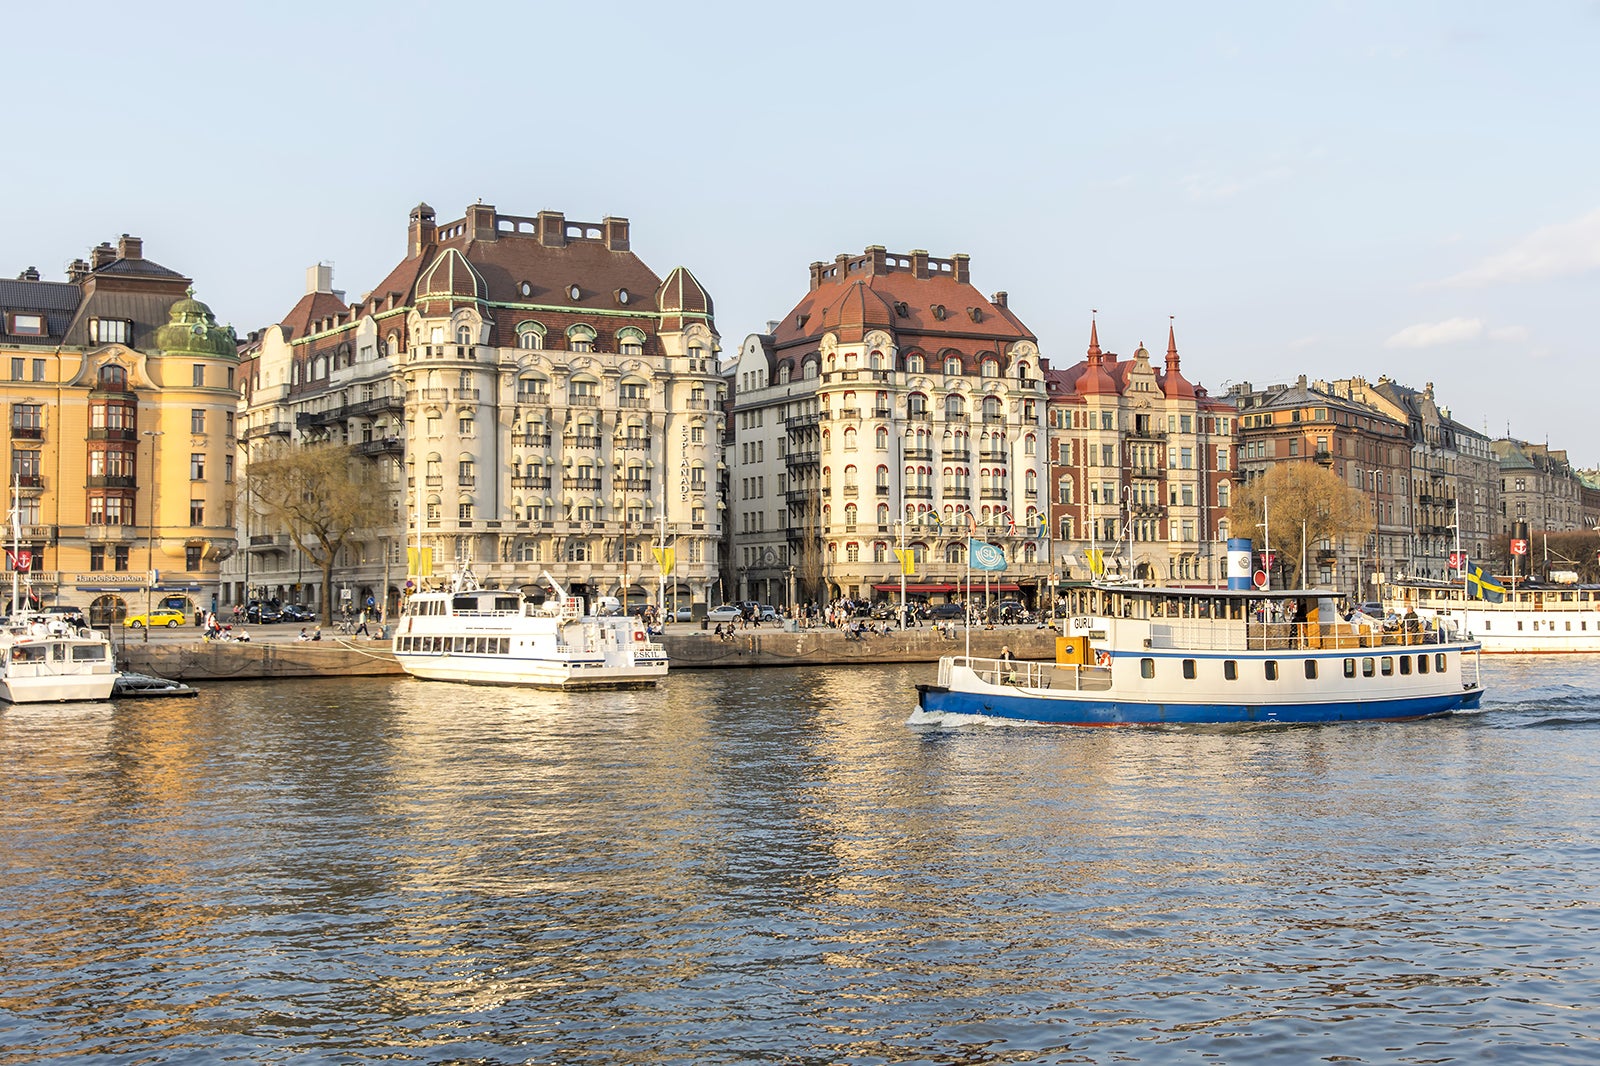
(120, 390)
(1139, 455)
(894, 408)
(1454, 471)
(1539, 487)
(1369, 450)
(533, 394)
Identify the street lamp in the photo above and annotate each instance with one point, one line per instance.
(150, 542)
(901, 555)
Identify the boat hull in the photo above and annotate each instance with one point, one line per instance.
(1059, 710)
(533, 673)
(63, 688)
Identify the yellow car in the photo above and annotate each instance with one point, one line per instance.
(164, 617)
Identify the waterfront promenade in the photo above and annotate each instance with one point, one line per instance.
(276, 651)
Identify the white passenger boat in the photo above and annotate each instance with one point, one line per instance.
(501, 637)
(48, 660)
(1533, 618)
(1140, 655)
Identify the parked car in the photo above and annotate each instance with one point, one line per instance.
(297, 612)
(685, 614)
(947, 612)
(768, 613)
(164, 617)
(725, 613)
(262, 614)
(72, 616)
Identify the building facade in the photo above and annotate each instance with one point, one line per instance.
(893, 413)
(534, 398)
(1142, 468)
(1539, 487)
(121, 396)
(1370, 452)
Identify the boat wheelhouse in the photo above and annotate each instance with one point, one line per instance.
(502, 637)
(1533, 618)
(1144, 655)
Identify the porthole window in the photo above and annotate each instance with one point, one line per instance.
(1311, 669)
(622, 296)
(575, 293)
(1188, 669)
(1230, 669)
(525, 288)
(1271, 669)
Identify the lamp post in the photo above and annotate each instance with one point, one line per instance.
(900, 557)
(150, 542)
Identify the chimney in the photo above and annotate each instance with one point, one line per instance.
(77, 270)
(816, 274)
(877, 260)
(101, 255)
(919, 263)
(31, 274)
(841, 264)
(422, 232)
(962, 270)
(130, 247)
(772, 326)
(319, 278)
(552, 229)
(480, 221)
(999, 298)
(616, 234)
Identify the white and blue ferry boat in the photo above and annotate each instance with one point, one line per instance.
(1147, 655)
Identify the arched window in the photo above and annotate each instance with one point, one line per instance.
(849, 516)
(784, 369)
(952, 365)
(580, 338)
(850, 439)
(955, 407)
(630, 340)
(955, 552)
(530, 335)
(883, 514)
(991, 409)
(990, 368)
(917, 405)
(880, 439)
(113, 378)
(915, 364)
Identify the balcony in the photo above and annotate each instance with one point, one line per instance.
(541, 397)
(794, 422)
(991, 494)
(851, 490)
(1146, 433)
(383, 446)
(880, 412)
(641, 484)
(467, 394)
(919, 453)
(583, 399)
(919, 492)
(27, 433)
(125, 433)
(994, 457)
(113, 481)
(532, 440)
(805, 458)
(634, 403)
(993, 418)
(635, 444)
(591, 484)
(957, 455)
(267, 429)
(574, 440)
(850, 412)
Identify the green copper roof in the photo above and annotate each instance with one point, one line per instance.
(191, 329)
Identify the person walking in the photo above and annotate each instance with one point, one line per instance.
(361, 630)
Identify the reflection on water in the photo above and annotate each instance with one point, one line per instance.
(776, 865)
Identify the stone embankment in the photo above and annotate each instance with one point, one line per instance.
(689, 649)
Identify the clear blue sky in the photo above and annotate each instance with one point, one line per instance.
(1318, 188)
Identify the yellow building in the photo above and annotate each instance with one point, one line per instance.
(120, 393)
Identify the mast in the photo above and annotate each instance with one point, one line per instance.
(16, 545)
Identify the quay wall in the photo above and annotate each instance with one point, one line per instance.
(688, 650)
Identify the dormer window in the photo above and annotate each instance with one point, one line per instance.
(526, 289)
(109, 330)
(622, 296)
(575, 293)
(21, 325)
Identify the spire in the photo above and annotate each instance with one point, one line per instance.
(1172, 347)
(1094, 340)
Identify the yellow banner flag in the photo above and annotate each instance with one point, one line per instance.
(908, 560)
(419, 562)
(1096, 560)
(665, 557)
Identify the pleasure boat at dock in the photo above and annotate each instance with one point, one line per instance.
(1532, 618)
(1149, 655)
(501, 637)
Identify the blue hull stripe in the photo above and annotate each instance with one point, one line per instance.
(1060, 711)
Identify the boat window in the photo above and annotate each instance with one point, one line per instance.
(1147, 668)
(1349, 668)
(1230, 670)
(1438, 662)
(1368, 666)
(1486, 625)
(506, 603)
(1311, 669)
(28, 653)
(1405, 665)
(1272, 669)
(1386, 666)
(1422, 664)
(88, 652)
(1188, 669)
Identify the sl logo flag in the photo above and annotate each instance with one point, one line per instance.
(665, 557)
(419, 562)
(1481, 586)
(984, 556)
(908, 560)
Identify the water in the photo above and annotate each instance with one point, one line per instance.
(776, 866)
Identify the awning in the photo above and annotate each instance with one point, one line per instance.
(924, 588)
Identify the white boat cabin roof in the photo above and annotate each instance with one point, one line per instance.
(1160, 601)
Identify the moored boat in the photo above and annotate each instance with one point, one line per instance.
(1148, 655)
(501, 637)
(48, 661)
(1531, 618)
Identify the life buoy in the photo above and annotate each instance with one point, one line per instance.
(1102, 657)
(638, 634)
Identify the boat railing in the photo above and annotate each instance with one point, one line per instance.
(1298, 636)
(1020, 673)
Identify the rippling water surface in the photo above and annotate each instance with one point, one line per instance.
(778, 866)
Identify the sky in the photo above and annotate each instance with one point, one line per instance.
(1319, 188)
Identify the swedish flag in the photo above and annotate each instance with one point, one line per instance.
(1482, 586)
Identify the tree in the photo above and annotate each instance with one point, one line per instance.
(1296, 493)
(322, 495)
